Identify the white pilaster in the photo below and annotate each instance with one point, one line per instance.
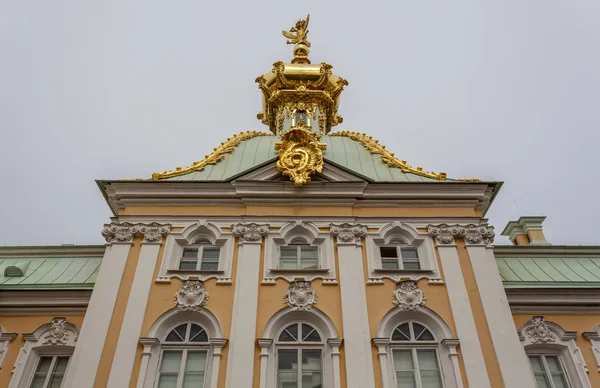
(477, 374)
(451, 344)
(149, 344)
(122, 366)
(240, 365)
(265, 345)
(513, 362)
(335, 359)
(382, 352)
(359, 370)
(217, 346)
(86, 357)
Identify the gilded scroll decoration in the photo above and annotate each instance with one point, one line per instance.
(300, 154)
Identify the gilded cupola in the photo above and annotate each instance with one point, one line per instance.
(300, 105)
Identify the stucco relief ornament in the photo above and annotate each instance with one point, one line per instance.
(478, 234)
(153, 232)
(348, 233)
(57, 335)
(119, 233)
(444, 234)
(300, 154)
(250, 232)
(191, 296)
(300, 296)
(408, 296)
(539, 332)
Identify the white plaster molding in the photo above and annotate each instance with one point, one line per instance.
(408, 296)
(191, 296)
(477, 375)
(594, 338)
(57, 337)
(177, 241)
(124, 358)
(250, 233)
(158, 332)
(322, 324)
(86, 357)
(354, 304)
(447, 344)
(314, 236)
(421, 241)
(541, 336)
(300, 296)
(347, 233)
(124, 232)
(512, 360)
(472, 234)
(5, 340)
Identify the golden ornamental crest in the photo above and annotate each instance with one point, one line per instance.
(300, 154)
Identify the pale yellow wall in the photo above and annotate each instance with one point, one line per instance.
(576, 322)
(118, 314)
(21, 325)
(536, 235)
(483, 332)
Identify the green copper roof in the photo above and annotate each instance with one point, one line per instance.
(50, 272)
(550, 272)
(342, 151)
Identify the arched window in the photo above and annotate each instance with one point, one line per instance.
(299, 254)
(416, 350)
(184, 357)
(299, 357)
(415, 356)
(200, 256)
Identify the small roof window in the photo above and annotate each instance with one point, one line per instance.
(16, 270)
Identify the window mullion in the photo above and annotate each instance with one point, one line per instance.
(299, 257)
(49, 374)
(547, 371)
(417, 370)
(199, 256)
(181, 374)
(399, 257)
(299, 355)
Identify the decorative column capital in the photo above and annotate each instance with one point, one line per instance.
(265, 343)
(149, 342)
(250, 233)
(335, 344)
(348, 233)
(472, 234)
(124, 232)
(217, 344)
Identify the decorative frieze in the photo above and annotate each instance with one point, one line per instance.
(57, 335)
(348, 233)
(125, 231)
(538, 331)
(472, 234)
(191, 296)
(250, 232)
(408, 296)
(300, 296)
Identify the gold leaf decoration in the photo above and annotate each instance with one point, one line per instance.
(214, 157)
(300, 154)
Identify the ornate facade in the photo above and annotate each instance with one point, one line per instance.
(304, 258)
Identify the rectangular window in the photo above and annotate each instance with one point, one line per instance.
(50, 371)
(399, 257)
(299, 368)
(205, 257)
(299, 257)
(548, 371)
(182, 369)
(417, 368)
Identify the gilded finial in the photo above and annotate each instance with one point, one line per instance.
(297, 35)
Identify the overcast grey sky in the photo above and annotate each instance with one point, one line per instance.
(499, 90)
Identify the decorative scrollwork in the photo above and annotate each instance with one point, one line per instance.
(124, 232)
(300, 296)
(408, 296)
(300, 154)
(538, 331)
(473, 234)
(348, 233)
(191, 296)
(250, 232)
(57, 335)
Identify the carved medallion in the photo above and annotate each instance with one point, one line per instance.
(538, 331)
(191, 296)
(300, 296)
(300, 154)
(408, 296)
(57, 335)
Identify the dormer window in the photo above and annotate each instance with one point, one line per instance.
(399, 255)
(202, 255)
(299, 254)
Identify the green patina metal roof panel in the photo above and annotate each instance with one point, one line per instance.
(543, 272)
(52, 272)
(343, 151)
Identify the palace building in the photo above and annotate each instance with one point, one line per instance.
(301, 256)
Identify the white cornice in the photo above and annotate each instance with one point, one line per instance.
(15, 300)
(554, 301)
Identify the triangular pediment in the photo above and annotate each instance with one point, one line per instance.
(330, 173)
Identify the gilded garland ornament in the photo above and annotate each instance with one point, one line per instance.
(214, 157)
(300, 154)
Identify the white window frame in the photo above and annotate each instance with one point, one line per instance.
(5, 340)
(562, 344)
(546, 369)
(49, 373)
(299, 345)
(412, 238)
(37, 345)
(199, 248)
(299, 246)
(399, 258)
(314, 237)
(176, 242)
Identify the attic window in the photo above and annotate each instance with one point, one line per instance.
(17, 270)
